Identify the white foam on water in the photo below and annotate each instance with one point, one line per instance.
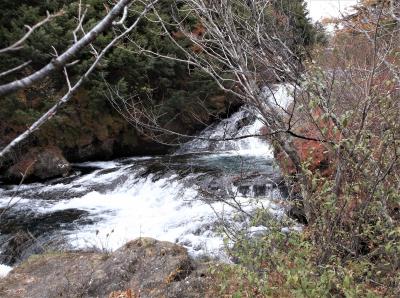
(236, 145)
(4, 270)
(20, 202)
(165, 209)
(254, 146)
(281, 96)
(112, 163)
(124, 206)
(240, 137)
(99, 164)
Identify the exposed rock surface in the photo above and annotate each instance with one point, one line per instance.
(142, 268)
(39, 163)
(310, 152)
(23, 234)
(314, 153)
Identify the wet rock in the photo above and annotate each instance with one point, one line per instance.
(245, 121)
(259, 190)
(141, 268)
(14, 246)
(39, 163)
(39, 222)
(296, 211)
(103, 149)
(24, 234)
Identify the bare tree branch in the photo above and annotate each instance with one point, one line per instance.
(19, 44)
(64, 58)
(21, 66)
(72, 89)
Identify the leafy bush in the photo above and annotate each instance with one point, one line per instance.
(348, 113)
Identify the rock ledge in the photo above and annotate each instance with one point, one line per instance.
(141, 268)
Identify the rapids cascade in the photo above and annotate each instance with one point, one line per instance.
(181, 198)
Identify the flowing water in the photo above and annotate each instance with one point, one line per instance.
(182, 198)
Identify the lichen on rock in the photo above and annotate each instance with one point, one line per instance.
(141, 268)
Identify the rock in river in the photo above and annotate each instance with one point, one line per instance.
(39, 163)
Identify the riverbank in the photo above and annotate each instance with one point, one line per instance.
(141, 268)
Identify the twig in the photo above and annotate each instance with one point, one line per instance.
(19, 44)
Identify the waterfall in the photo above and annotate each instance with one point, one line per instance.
(245, 122)
(180, 198)
(241, 124)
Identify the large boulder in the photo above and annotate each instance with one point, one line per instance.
(141, 268)
(39, 163)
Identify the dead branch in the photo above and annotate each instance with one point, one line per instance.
(21, 66)
(72, 89)
(67, 56)
(19, 44)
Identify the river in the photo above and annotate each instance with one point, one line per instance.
(185, 197)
